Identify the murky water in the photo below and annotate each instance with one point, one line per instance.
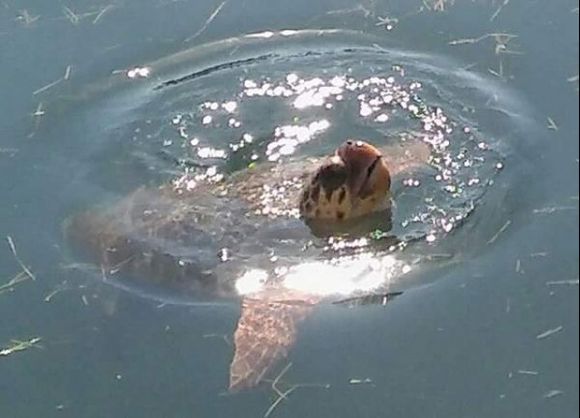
(102, 99)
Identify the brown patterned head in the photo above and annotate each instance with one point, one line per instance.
(353, 182)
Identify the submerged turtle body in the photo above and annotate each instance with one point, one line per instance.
(184, 239)
(198, 239)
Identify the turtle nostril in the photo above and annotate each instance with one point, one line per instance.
(349, 142)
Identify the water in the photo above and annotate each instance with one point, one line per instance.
(468, 337)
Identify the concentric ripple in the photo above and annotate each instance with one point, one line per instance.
(200, 115)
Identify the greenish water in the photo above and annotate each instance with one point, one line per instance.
(494, 333)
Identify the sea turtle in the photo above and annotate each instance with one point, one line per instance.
(201, 238)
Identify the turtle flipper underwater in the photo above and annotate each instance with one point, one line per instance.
(174, 237)
(264, 335)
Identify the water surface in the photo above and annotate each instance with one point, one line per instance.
(493, 333)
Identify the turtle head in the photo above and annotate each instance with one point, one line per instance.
(355, 181)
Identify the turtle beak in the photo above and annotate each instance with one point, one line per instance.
(367, 171)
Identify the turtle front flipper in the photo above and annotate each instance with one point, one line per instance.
(265, 333)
